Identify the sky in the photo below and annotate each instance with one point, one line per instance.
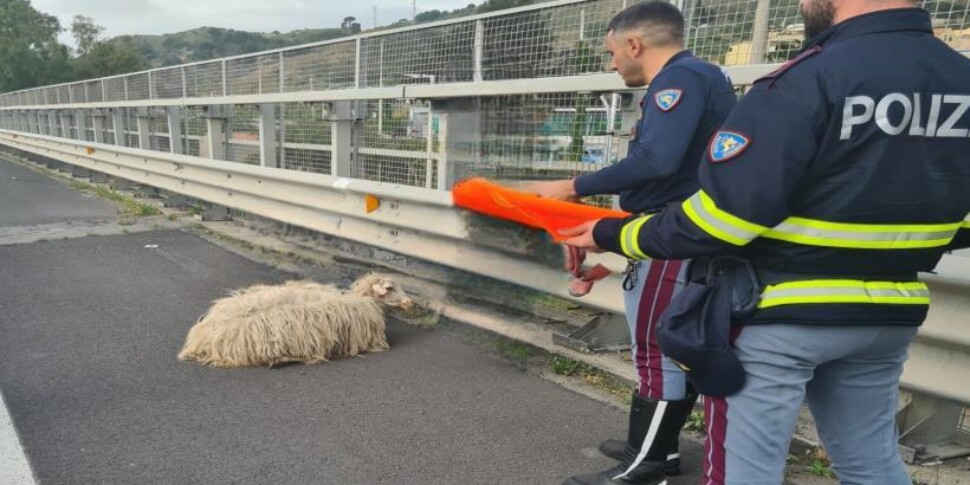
(120, 17)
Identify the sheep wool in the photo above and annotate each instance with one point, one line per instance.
(297, 321)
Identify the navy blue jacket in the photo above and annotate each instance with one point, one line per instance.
(684, 105)
(841, 176)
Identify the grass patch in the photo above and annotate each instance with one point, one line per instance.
(594, 377)
(565, 366)
(511, 350)
(695, 422)
(820, 468)
(129, 205)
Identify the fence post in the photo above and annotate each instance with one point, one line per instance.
(759, 38)
(267, 135)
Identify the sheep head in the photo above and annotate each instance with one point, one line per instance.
(384, 290)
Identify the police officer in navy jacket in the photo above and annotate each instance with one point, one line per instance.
(686, 101)
(839, 177)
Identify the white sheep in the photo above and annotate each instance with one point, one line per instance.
(297, 321)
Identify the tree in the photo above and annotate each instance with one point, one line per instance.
(350, 25)
(494, 5)
(108, 59)
(430, 16)
(29, 52)
(85, 33)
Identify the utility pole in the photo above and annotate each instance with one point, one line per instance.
(375, 16)
(414, 9)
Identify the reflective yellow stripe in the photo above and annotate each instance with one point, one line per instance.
(703, 212)
(630, 238)
(863, 236)
(845, 291)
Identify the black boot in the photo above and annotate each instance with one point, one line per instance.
(615, 449)
(677, 412)
(633, 469)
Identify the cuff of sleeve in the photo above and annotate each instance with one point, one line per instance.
(606, 233)
(584, 185)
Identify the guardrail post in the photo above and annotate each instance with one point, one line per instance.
(52, 122)
(928, 427)
(759, 38)
(225, 79)
(357, 65)
(98, 123)
(267, 135)
(144, 130)
(477, 57)
(65, 117)
(430, 182)
(175, 130)
(118, 124)
(214, 145)
(460, 129)
(79, 119)
(342, 130)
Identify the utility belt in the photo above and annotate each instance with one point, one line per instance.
(696, 330)
(753, 288)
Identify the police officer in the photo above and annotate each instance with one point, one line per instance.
(686, 101)
(839, 176)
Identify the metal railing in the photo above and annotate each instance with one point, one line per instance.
(552, 39)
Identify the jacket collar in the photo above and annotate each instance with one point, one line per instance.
(893, 20)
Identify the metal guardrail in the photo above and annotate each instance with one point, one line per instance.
(422, 223)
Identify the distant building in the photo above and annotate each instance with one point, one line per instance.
(785, 44)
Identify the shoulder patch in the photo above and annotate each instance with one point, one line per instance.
(777, 73)
(668, 99)
(727, 145)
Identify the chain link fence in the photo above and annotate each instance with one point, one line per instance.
(562, 38)
(515, 137)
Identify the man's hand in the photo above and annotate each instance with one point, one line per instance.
(558, 190)
(581, 237)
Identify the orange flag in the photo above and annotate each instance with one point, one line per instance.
(482, 196)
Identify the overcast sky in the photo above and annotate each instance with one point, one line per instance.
(121, 17)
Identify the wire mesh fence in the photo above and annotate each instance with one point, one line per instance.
(194, 131)
(545, 40)
(331, 66)
(434, 55)
(307, 137)
(243, 134)
(130, 122)
(397, 141)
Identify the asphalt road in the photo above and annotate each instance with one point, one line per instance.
(90, 329)
(30, 198)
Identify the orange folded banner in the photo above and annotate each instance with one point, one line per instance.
(482, 196)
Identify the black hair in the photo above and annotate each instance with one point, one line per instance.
(652, 15)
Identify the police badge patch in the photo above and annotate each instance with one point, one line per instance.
(668, 99)
(726, 145)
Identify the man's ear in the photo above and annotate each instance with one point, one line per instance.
(634, 45)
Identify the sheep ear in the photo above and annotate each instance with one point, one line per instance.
(379, 289)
